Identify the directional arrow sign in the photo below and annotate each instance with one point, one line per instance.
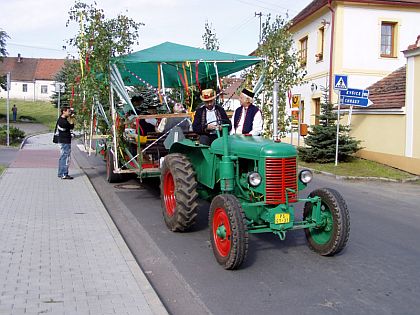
(355, 93)
(355, 101)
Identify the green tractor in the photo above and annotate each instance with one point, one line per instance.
(252, 184)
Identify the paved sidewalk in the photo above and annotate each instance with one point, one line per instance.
(60, 251)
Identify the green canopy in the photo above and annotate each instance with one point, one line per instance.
(179, 64)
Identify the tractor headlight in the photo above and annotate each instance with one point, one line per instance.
(305, 176)
(254, 179)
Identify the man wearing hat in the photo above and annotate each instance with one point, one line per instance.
(247, 118)
(208, 117)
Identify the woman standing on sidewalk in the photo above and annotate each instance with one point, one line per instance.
(65, 124)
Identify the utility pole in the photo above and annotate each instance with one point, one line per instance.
(259, 15)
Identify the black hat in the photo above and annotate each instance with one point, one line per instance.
(248, 92)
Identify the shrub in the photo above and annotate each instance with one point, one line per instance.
(16, 135)
(28, 118)
(321, 141)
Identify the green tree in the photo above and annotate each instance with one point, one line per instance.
(281, 65)
(321, 141)
(98, 40)
(3, 53)
(210, 40)
(69, 75)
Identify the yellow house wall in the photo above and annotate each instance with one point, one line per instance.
(416, 110)
(380, 133)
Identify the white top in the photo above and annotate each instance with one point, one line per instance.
(257, 125)
(211, 117)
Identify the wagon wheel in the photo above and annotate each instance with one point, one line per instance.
(228, 231)
(331, 237)
(178, 192)
(111, 177)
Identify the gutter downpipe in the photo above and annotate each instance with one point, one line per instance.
(331, 47)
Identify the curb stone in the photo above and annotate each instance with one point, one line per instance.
(372, 178)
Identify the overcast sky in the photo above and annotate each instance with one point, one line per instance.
(38, 28)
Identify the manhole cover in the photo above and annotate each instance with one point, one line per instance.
(128, 186)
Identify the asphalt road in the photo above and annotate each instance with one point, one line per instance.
(377, 273)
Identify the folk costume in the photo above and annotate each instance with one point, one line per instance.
(247, 120)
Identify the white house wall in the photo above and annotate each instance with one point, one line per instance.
(317, 72)
(33, 90)
(356, 47)
(361, 42)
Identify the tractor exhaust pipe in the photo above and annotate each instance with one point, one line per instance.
(275, 110)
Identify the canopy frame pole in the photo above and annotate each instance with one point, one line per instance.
(163, 87)
(91, 125)
(114, 130)
(217, 76)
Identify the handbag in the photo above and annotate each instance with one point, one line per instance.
(55, 137)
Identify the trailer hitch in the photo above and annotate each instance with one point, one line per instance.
(280, 234)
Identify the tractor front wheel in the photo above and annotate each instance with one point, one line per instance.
(228, 231)
(331, 237)
(178, 192)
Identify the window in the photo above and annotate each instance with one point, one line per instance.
(303, 51)
(320, 54)
(302, 111)
(24, 88)
(44, 89)
(388, 38)
(317, 110)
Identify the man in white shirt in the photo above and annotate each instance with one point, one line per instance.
(247, 118)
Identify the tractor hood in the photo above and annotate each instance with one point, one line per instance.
(254, 147)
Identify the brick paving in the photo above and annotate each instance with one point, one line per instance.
(60, 251)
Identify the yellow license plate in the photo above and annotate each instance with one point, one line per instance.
(281, 218)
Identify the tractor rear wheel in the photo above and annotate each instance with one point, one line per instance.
(178, 191)
(111, 177)
(228, 231)
(330, 238)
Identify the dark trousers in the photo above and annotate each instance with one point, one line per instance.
(207, 139)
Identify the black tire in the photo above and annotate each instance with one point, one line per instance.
(230, 249)
(178, 192)
(111, 177)
(332, 237)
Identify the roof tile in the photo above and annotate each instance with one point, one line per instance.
(30, 69)
(390, 91)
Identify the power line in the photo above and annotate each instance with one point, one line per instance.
(64, 48)
(260, 15)
(253, 4)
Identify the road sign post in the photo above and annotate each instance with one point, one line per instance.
(9, 85)
(338, 132)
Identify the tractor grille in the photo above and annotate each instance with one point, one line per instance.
(280, 174)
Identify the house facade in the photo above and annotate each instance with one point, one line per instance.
(367, 41)
(32, 79)
(390, 127)
(359, 38)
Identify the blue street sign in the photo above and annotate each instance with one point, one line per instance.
(355, 93)
(340, 82)
(355, 101)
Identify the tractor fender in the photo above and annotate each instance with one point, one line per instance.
(203, 160)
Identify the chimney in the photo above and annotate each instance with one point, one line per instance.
(19, 58)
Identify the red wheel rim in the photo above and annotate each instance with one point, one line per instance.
(221, 222)
(169, 194)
